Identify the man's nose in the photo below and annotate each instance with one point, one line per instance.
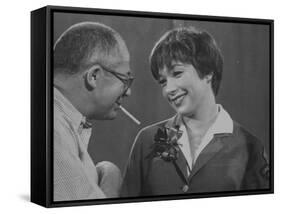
(128, 92)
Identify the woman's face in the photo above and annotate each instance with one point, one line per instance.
(184, 90)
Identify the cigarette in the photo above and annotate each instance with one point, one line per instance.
(129, 115)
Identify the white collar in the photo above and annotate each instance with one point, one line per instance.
(223, 124)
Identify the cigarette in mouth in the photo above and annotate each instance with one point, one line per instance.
(129, 115)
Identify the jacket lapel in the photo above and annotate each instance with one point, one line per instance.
(180, 163)
(181, 167)
(207, 154)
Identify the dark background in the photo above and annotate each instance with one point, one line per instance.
(244, 90)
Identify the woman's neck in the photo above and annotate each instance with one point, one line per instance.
(202, 122)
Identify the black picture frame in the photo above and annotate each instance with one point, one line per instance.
(42, 40)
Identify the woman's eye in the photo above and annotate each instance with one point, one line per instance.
(177, 73)
(162, 82)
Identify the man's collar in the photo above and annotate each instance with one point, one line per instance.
(69, 110)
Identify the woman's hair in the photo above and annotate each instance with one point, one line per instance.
(188, 45)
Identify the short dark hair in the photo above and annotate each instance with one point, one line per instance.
(188, 45)
(82, 41)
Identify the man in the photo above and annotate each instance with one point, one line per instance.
(201, 149)
(91, 78)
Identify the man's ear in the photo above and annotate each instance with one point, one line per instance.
(90, 77)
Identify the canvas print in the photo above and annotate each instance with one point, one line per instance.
(146, 107)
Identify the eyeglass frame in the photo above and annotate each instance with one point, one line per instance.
(127, 80)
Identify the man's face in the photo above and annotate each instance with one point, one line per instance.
(183, 88)
(111, 87)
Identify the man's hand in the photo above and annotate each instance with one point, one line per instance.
(110, 178)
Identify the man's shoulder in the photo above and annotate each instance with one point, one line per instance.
(61, 125)
(64, 136)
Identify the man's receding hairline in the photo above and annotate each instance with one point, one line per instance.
(86, 24)
(115, 51)
(114, 57)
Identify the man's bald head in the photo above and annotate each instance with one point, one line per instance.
(86, 43)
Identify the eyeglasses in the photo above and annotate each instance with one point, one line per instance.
(127, 80)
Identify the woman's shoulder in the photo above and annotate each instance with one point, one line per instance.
(152, 128)
(244, 137)
(145, 136)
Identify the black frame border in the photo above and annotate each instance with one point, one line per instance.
(42, 177)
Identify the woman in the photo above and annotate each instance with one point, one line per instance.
(200, 149)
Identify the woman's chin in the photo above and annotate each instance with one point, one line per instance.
(184, 111)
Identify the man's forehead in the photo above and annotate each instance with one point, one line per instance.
(120, 65)
(117, 58)
(124, 52)
(112, 60)
(120, 55)
(123, 49)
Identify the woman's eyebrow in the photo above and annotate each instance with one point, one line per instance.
(175, 65)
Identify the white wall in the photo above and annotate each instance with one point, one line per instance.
(15, 105)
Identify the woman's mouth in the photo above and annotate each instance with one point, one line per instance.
(177, 100)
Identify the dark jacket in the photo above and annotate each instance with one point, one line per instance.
(230, 162)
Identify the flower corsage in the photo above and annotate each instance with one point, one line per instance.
(166, 144)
